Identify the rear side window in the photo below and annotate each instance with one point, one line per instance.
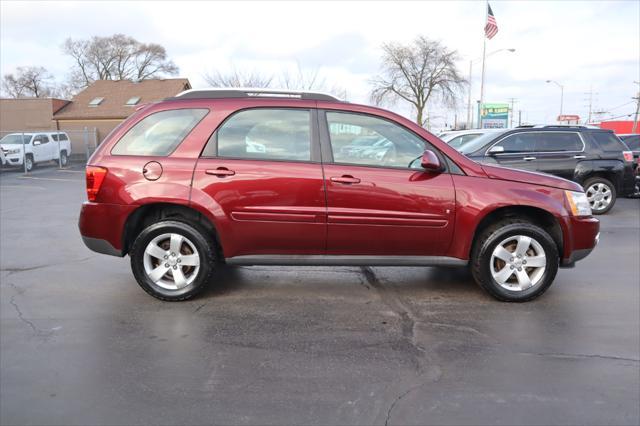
(608, 141)
(159, 134)
(266, 134)
(560, 141)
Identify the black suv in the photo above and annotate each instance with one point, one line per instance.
(594, 158)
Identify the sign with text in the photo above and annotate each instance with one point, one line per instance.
(494, 116)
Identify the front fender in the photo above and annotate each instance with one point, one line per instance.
(476, 198)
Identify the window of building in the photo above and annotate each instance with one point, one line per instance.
(133, 101)
(95, 102)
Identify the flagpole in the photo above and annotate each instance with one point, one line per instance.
(484, 53)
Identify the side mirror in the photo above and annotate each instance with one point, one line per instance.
(430, 162)
(495, 150)
(35, 143)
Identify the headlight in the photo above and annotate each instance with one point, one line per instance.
(13, 151)
(579, 203)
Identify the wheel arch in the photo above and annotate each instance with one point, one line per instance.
(535, 215)
(150, 213)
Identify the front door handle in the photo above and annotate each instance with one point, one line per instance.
(220, 171)
(529, 158)
(345, 179)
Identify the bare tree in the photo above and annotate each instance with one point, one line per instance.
(117, 57)
(416, 72)
(235, 78)
(28, 82)
(309, 79)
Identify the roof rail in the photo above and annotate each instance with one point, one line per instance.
(249, 92)
(563, 126)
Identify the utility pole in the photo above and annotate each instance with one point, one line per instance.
(511, 111)
(635, 119)
(519, 117)
(590, 100)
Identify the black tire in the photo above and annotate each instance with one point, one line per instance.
(494, 235)
(64, 160)
(30, 163)
(198, 237)
(600, 180)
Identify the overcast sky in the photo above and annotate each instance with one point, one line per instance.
(579, 44)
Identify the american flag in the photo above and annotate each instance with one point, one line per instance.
(491, 28)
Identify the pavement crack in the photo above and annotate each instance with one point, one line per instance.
(580, 356)
(12, 271)
(407, 319)
(395, 401)
(200, 307)
(21, 316)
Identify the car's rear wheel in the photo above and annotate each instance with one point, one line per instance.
(63, 158)
(515, 261)
(172, 260)
(601, 194)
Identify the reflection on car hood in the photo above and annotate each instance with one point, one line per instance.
(504, 173)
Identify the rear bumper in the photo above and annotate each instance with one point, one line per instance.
(102, 225)
(582, 236)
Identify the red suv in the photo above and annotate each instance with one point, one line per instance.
(291, 178)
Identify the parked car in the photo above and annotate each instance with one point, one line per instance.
(595, 158)
(460, 137)
(38, 148)
(632, 140)
(191, 196)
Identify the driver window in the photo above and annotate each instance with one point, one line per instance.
(41, 138)
(519, 142)
(370, 141)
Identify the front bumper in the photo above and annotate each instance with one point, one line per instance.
(583, 234)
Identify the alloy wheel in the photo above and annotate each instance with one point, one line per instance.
(171, 261)
(599, 196)
(518, 263)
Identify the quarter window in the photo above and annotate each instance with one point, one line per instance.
(159, 134)
(365, 140)
(608, 141)
(269, 134)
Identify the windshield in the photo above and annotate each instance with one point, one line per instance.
(15, 139)
(477, 143)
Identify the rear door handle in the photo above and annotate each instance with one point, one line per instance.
(529, 158)
(345, 179)
(579, 157)
(220, 171)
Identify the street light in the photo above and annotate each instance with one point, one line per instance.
(469, 123)
(561, 92)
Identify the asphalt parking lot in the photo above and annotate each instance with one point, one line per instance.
(81, 343)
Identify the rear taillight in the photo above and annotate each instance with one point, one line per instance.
(95, 176)
(628, 156)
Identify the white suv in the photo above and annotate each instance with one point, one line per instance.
(38, 147)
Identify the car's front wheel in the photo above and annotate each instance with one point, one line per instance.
(515, 261)
(172, 260)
